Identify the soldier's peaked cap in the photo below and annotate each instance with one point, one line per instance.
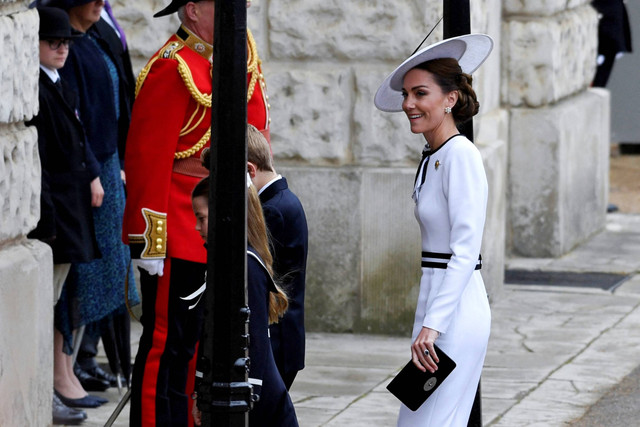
(173, 7)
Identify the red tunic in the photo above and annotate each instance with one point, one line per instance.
(171, 114)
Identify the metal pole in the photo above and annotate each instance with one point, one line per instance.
(457, 22)
(224, 393)
(114, 415)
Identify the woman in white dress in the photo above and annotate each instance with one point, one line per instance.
(433, 88)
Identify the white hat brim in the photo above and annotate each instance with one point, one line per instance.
(471, 50)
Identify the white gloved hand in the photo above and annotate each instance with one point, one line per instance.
(152, 266)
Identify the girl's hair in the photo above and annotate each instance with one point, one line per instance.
(257, 238)
(449, 76)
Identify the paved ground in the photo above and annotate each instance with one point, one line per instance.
(554, 351)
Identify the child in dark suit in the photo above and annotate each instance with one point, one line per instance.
(69, 187)
(287, 225)
(267, 302)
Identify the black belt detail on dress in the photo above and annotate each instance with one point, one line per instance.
(443, 265)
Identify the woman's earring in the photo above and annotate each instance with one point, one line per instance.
(447, 110)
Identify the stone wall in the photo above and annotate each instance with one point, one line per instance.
(559, 131)
(26, 294)
(351, 165)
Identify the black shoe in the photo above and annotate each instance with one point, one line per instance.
(88, 401)
(63, 415)
(100, 400)
(89, 382)
(101, 374)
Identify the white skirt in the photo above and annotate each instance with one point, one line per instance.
(465, 342)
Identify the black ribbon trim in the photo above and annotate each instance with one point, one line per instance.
(443, 265)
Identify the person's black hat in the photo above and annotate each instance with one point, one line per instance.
(54, 24)
(173, 7)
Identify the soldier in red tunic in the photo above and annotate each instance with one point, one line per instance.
(170, 125)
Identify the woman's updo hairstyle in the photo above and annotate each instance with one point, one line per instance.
(449, 76)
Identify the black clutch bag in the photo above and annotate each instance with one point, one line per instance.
(413, 387)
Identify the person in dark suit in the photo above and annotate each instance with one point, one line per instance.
(70, 185)
(614, 37)
(267, 302)
(287, 225)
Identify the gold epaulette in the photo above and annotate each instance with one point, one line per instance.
(171, 51)
(203, 102)
(168, 51)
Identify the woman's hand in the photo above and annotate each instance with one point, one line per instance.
(423, 360)
(97, 193)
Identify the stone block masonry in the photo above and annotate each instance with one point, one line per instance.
(558, 132)
(559, 162)
(26, 266)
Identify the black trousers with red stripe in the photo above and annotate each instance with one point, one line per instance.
(169, 337)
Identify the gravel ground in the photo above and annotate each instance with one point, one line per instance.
(617, 408)
(624, 181)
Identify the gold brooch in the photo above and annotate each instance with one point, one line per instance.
(437, 164)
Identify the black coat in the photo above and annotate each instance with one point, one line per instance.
(274, 406)
(86, 71)
(614, 36)
(614, 33)
(287, 225)
(112, 45)
(68, 167)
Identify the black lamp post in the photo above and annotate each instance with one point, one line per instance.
(224, 393)
(457, 22)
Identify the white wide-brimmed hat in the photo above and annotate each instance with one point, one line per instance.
(470, 50)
